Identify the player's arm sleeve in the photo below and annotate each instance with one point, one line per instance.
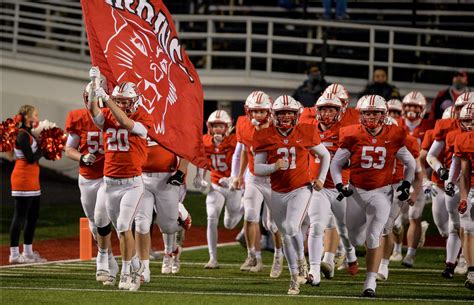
(321, 151)
(408, 161)
(236, 160)
(432, 157)
(337, 163)
(139, 130)
(261, 167)
(99, 120)
(73, 140)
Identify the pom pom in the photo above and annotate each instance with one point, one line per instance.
(51, 142)
(8, 133)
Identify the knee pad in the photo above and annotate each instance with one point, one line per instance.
(104, 231)
(251, 214)
(231, 222)
(373, 241)
(291, 231)
(142, 226)
(316, 230)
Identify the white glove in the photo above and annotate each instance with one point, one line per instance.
(100, 94)
(94, 72)
(200, 183)
(88, 159)
(226, 182)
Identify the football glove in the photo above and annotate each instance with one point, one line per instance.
(428, 189)
(88, 159)
(449, 189)
(100, 94)
(200, 183)
(176, 179)
(462, 207)
(403, 191)
(344, 191)
(443, 173)
(94, 72)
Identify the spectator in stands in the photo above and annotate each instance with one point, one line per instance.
(379, 86)
(341, 8)
(446, 98)
(311, 89)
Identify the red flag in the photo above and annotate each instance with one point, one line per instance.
(136, 41)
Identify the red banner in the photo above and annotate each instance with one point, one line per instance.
(136, 41)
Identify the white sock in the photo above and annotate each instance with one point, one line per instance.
(14, 251)
(398, 248)
(146, 263)
(315, 248)
(370, 281)
(135, 262)
(170, 242)
(351, 255)
(212, 237)
(102, 258)
(278, 252)
(28, 249)
(258, 255)
(385, 261)
(251, 252)
(452, 247)
(411, 252)
(126, 265)
(329, 258)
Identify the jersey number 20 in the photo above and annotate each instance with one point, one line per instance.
(117, 140)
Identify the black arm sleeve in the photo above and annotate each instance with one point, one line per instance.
(23, 142)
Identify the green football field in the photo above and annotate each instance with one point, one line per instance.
(73, 282)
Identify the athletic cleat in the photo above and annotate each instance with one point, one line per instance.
(136, 275)
(311, 280)
(339, 260)
(249, 263)
(408, 261)
(212, 264)
(382, 273)
(125, 281)
(18, 259)
(368, 293)
(469, 283)
(461, 267)
(327, 270)
(176, 263)
(424, 227)
(343, 265)
(294, 288)
(146, 276)
(302, 271)
(396, 256)
(35, 258)
(448, 272)
(167, 263)
(102, 275)
(258, 266)
(353, 268)
(113, 270)
(277, 267)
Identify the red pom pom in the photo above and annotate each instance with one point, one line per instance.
(52, 142)
(8, 133)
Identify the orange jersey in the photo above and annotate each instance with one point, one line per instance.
(464, 148)
(308, 116)
(25, 176)
(449, 147)
(442, 128)
(350, 117)
(420, 130)
(245, 131)
(372, 157)
(414, 148)
(294, 148)
(79, 122)
(125, 152)
(220, 156)
(425, 145)
(159, 160)
(330, 139)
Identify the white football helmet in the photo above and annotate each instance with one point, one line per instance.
(359, 102)
(466, 117)
(329, 100)
(258, 100)
(286, 103)
(222, 117)
(390, 121)
(447, 113)
(463, 99)
(340, 92)
(373, 103)
(395, 105)
(127, 91)
(414, 98)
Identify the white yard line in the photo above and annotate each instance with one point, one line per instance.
(232, 294)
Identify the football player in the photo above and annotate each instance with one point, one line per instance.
(441, 130)
(219, 146)
(371, 147)
(125, 126)
(85, 145)
(281, 152)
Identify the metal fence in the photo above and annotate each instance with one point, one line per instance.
(54, 33)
